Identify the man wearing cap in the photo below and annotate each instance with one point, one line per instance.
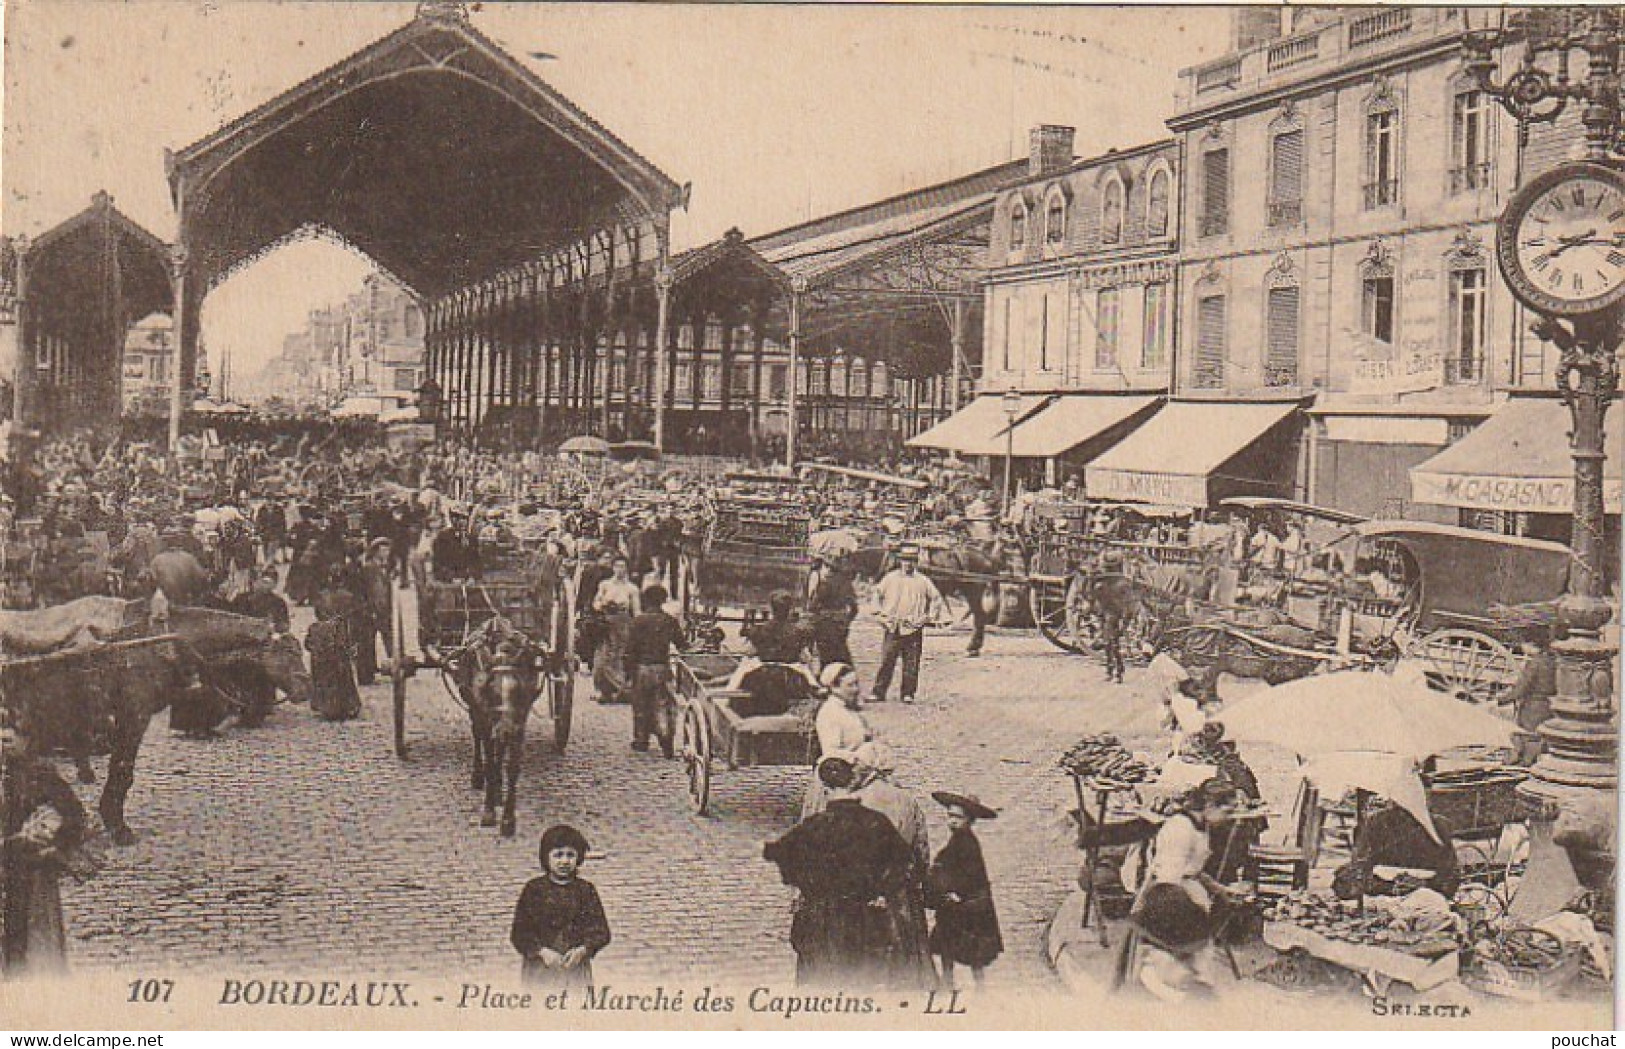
(455, 554)
(908, 602)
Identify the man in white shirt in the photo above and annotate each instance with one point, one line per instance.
(909, 602)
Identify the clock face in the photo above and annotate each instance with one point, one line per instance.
(1567, 240)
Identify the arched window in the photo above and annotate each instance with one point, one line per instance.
(1111, 213)
(1018, 226)
(1156, 204)
(1055, 210)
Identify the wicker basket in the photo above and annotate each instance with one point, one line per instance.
(1527, 985)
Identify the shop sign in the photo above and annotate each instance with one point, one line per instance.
(1537, 495)
(1137, 486)
(1410, 372)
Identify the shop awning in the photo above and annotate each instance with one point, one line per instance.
(1066, 422)
(1183, 456)
(1519, 461)
(972, 429)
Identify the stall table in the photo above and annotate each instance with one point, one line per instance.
(1379, 965)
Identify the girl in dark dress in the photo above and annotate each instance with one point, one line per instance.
(559, 924)
(335, 696)
(41, 826)
(957, 888)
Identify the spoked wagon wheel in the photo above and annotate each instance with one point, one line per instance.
(564, 688)
(695, 747)
(1467, 664)
(1056, 615)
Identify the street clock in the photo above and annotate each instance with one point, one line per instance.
(1561, 240)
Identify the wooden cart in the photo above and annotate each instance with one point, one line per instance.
(450, 613)
(710, 733)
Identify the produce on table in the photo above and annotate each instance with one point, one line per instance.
(1425, 935)
(1102, 756)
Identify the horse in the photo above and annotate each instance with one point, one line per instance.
(498, 676)
(126, 688)
(1262, 644)
(956, 571)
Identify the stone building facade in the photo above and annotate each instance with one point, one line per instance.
(1343, 181)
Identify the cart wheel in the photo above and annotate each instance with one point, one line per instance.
(563, 687)
(1054, 615)
(1467, 664)
(399, 671)
(696, 751)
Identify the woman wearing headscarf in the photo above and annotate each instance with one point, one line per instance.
(847, 863)
(910, 960)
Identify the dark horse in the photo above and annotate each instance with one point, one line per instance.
(110, 696)
(1111, 601)
(958, 571)
(498, 676)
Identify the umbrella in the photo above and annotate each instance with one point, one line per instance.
(836, 542)
(1363, 710)
(585, 445)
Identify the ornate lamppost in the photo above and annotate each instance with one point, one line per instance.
(1561, 246)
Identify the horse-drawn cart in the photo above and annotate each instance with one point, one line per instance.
(1458, 575)
(451, 615)
(1077, 546)
(752, 548)
(711, 732)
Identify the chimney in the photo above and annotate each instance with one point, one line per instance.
(1254, 24)
(1050, 149)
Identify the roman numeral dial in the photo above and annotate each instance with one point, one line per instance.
(1562, 240)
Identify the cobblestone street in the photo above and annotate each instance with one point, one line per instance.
(307, 843)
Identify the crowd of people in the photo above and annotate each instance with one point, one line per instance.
(271, 524)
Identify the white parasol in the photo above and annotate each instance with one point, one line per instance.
(835, 542)
(1361, 710)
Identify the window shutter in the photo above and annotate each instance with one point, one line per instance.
(1151, 351)
(1287, 167)
(1106, 310)
(1215, 190)
(1210, 343)
(1281, 345)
